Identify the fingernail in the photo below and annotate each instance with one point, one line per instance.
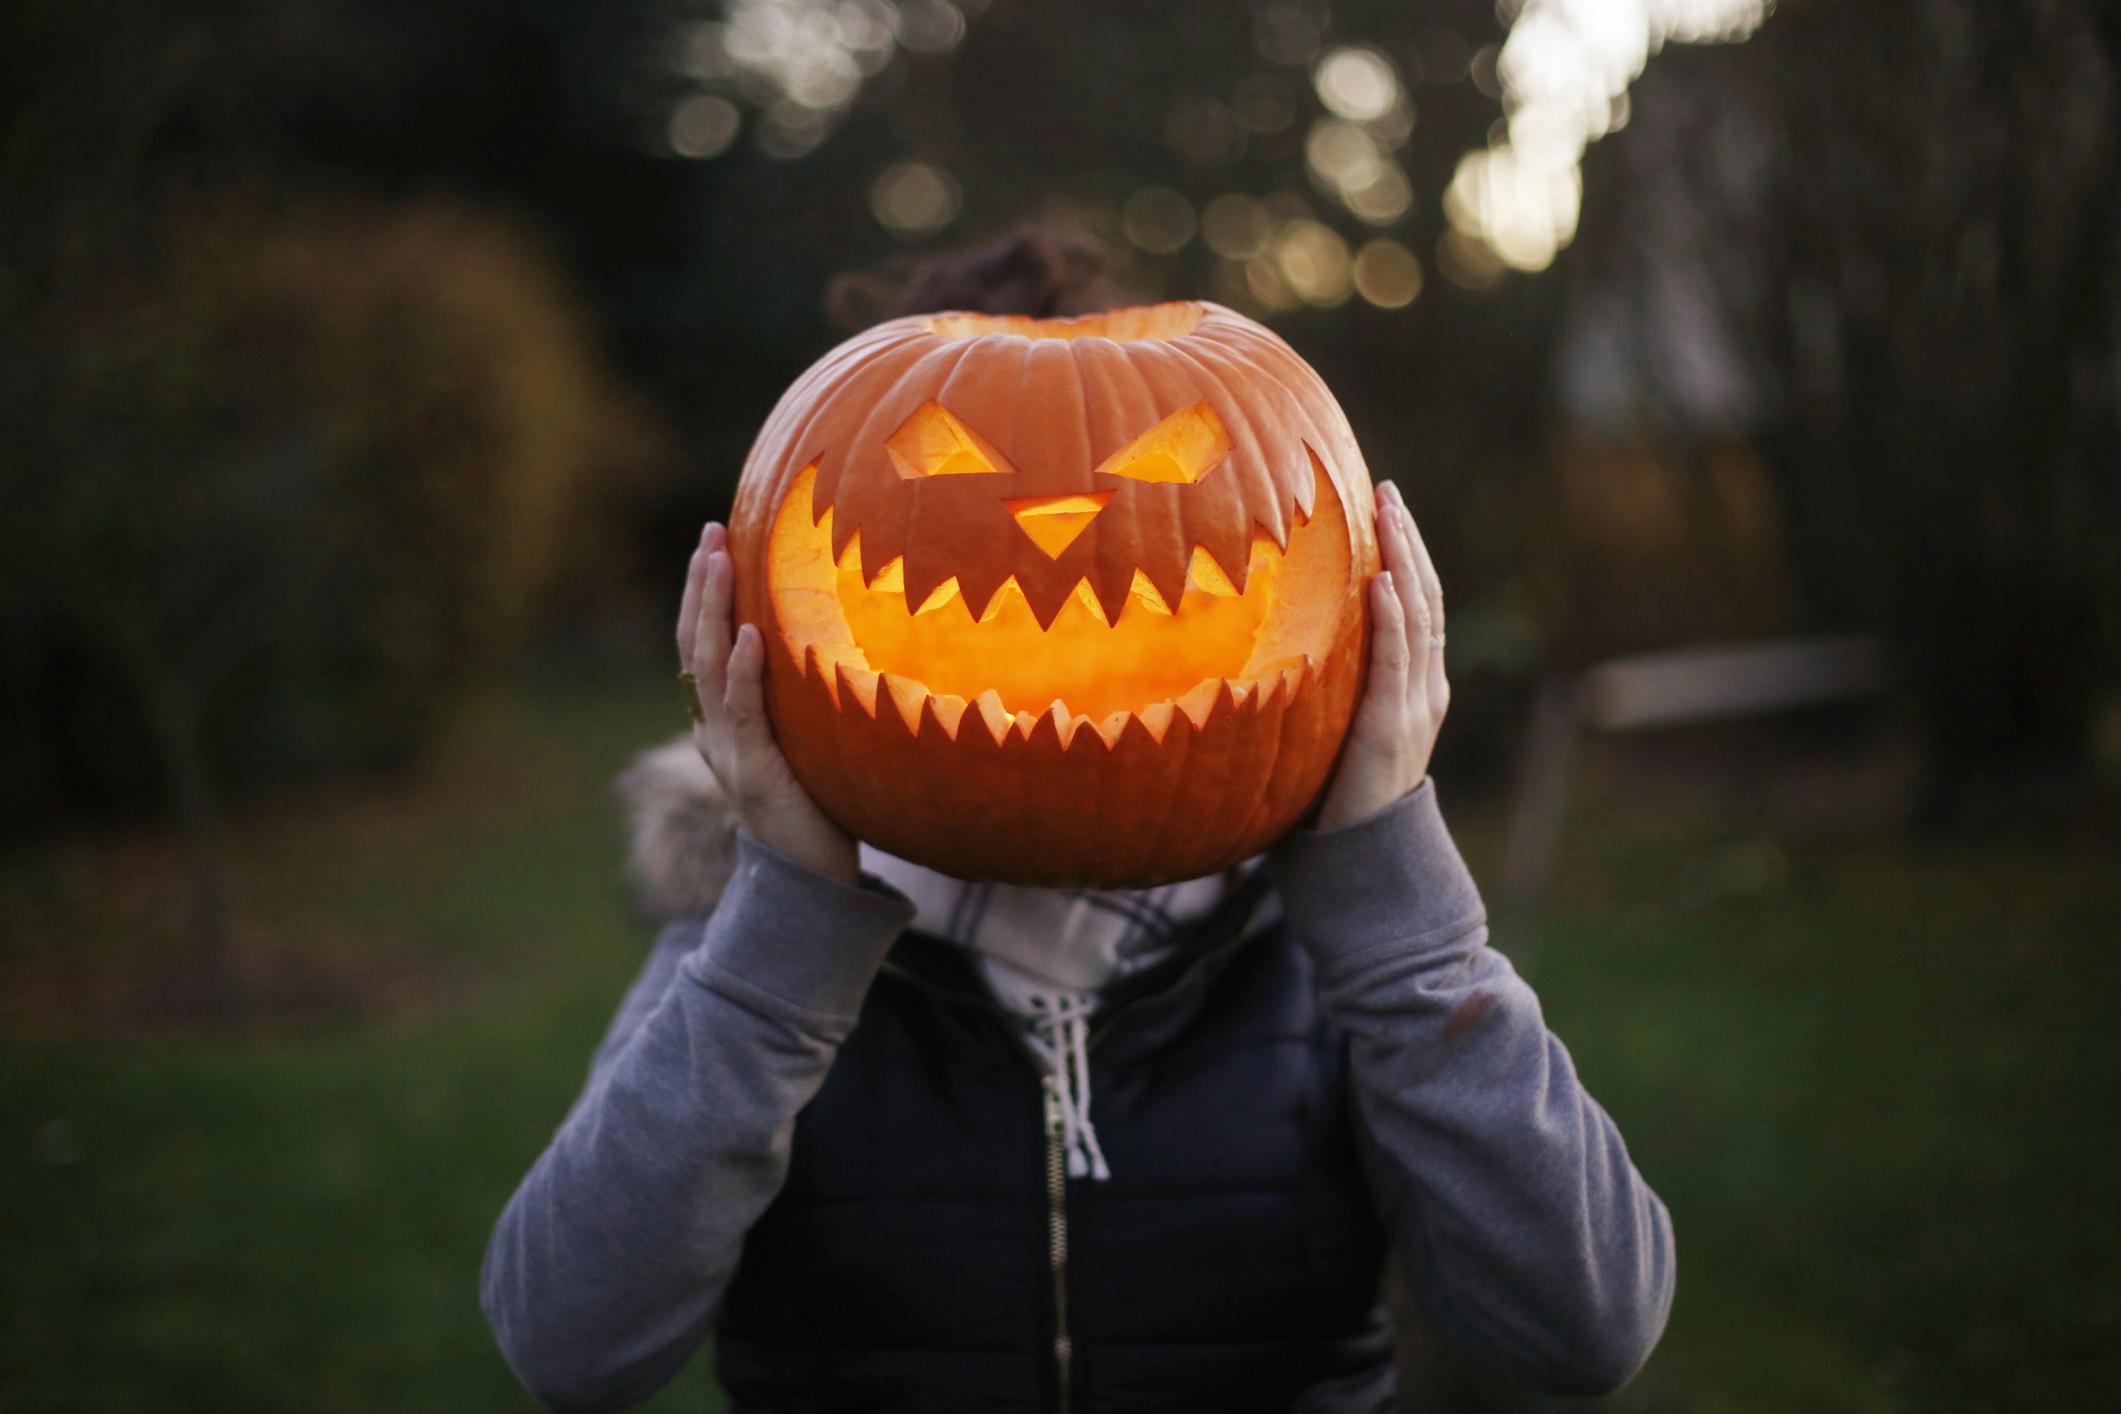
(1392, 489)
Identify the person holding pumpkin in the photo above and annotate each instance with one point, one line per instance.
(901, 1140)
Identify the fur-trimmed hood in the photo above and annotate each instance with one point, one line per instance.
(680, 832)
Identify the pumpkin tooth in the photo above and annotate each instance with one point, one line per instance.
(1147, 595)
(861, 682)
(1198, 701)
(949, 709)
(995, 602)
(1113, 725)
(1204, 574)
(1046, 602)
(850, 556)
(821, 669)
(1065, 722)
(998, 718)
(1169, 582)
(1263, 550)
(1087, 597)
(937, 598)
(1157, 718)
(1269, 686)
(891, 579)
(907, 694)
(1110, 589)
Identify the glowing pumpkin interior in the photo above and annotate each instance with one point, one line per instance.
(1146, 653)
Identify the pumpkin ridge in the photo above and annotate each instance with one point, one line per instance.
(888, 535)
(1244, 435)
(1208, 731)
(1278, 530)
(1282, 366)
(890, 369)
(1113, 572)
(825, 371)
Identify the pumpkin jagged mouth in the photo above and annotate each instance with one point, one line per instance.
(1153, 660)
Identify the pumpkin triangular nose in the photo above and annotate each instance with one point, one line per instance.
(1053, 522)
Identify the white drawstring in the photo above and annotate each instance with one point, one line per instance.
(1047, 953)
(1059, 1032)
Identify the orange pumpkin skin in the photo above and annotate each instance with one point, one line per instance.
(1060, 602)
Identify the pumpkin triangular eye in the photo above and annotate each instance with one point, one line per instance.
(1185, 446)
(933, 442)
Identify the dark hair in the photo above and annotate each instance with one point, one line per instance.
(1038, 271)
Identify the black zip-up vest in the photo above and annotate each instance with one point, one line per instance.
(927, 1251)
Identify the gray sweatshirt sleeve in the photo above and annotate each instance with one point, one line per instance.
(1526, 1232)
(606, 1270)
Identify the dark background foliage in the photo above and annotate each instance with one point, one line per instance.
(369, 367)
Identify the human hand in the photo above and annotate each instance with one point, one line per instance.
(731, 730)
(1406, 696)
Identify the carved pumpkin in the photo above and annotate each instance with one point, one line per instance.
(1060, 602)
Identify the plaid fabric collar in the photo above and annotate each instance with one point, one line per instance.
(1069, 939)
(1046, 953)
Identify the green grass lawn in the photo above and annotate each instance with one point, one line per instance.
(1873, 1081)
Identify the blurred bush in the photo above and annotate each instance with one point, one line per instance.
(286, 478)
(1658, 545)
(1902, 243)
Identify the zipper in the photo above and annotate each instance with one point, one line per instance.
(1056, 1135)
(1057, 1238)
(1057, 1234)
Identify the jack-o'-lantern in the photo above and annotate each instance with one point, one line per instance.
(1063, 601)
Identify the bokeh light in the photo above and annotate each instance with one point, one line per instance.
(1468, 262)
(800, 63)
(790, 129)
(1313, 259)
(1158, 220)
(1384, 200)
(703, 125)
(930, 26)
(1341, 154)
(914, 199)
(1525, 210)
(1356, 83)
(1387, 274)
(1348, 153)
(1269, 290)
(1563, 76)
